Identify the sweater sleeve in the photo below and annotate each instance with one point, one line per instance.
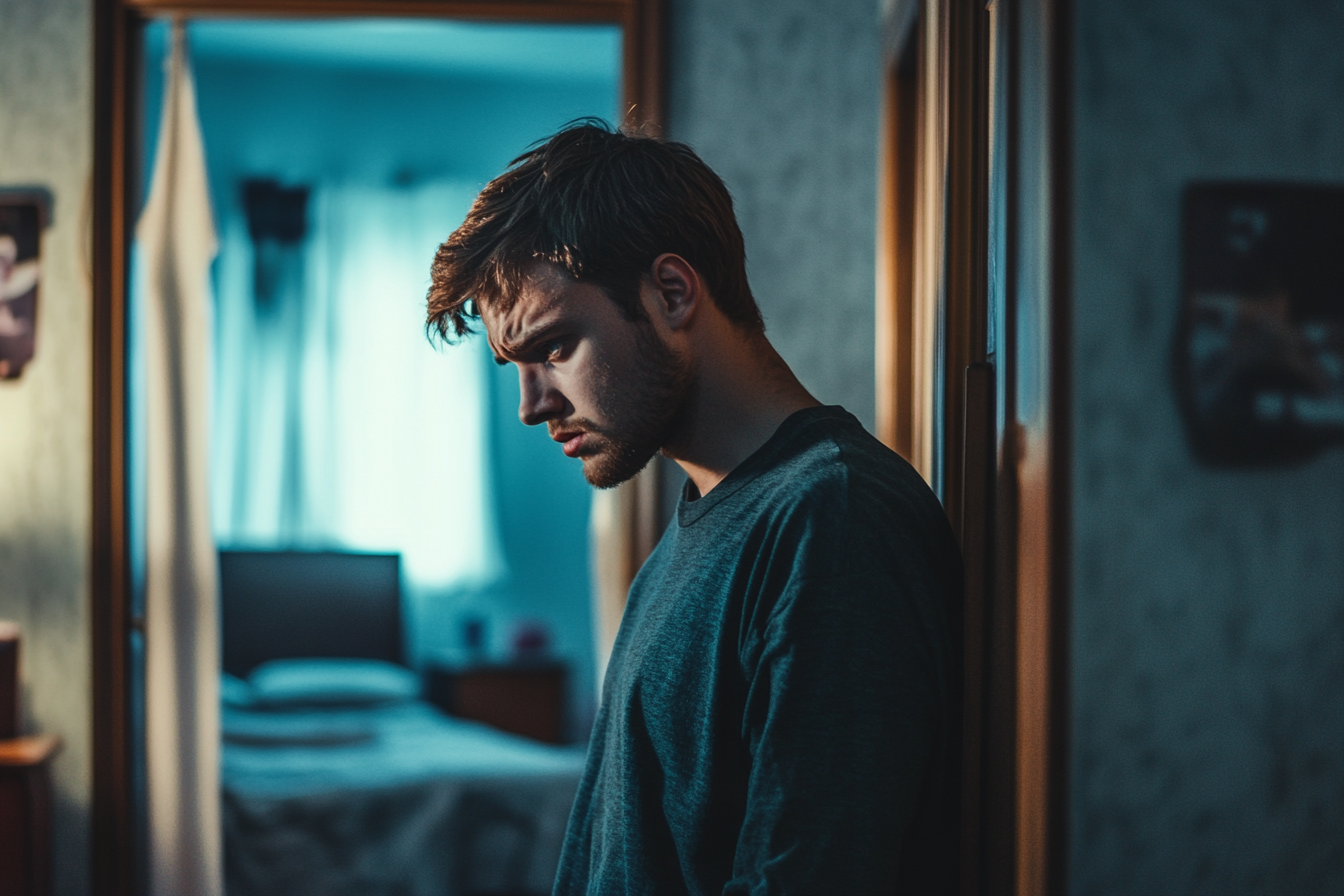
(847, 701)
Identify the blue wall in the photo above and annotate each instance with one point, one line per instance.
(310, 122)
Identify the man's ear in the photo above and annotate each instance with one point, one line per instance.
(679, 287)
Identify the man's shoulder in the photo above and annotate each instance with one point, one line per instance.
(827, 481)
(826, 455)
(821, 494)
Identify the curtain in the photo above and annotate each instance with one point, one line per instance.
(339, 424)
(176, 237)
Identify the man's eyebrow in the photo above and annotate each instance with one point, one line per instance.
(528, 340)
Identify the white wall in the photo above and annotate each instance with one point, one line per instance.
(1208, 617)
(46, 136)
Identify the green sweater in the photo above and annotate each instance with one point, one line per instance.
(781, 712)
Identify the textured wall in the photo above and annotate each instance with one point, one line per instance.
(1208, 635)
(46, 139)
(781, 98)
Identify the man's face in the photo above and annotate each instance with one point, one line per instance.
(608, 388)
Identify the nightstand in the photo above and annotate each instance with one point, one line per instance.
(25, 807)
(526, 698)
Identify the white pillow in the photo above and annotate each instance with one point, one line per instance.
(332, 682)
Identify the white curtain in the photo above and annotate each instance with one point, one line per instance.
(389, 430)
(176, 238)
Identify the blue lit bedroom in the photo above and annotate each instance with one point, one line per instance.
(968, 378)
(405, 594)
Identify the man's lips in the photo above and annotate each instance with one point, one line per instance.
(572, 442)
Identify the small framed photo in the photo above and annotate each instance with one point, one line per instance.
(21, 221)
(1260, 343)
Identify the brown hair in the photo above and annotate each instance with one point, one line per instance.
(602, 205)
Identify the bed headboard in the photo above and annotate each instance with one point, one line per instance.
(290, 604)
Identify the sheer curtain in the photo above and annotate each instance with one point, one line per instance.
(175, 241)
(338, 424)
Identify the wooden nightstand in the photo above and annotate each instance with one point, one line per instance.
(520, 698)
(25, 808)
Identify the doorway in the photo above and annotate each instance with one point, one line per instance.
(120, 120)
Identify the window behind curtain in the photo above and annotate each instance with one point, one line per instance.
(337, 423)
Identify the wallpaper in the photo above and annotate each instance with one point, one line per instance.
(1208, 617)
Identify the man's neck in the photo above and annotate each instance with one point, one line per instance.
(741, 392)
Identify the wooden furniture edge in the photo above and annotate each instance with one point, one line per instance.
(25, 752)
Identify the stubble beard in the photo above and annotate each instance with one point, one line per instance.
(645, 408)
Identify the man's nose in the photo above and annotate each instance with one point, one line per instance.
(538, 401)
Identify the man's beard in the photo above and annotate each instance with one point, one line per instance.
(644, 408)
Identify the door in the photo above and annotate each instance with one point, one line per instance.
(972, 385)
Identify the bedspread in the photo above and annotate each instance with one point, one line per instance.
(389, 800)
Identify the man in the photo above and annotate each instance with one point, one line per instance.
(780, 712)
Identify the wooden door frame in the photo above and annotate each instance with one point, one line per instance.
(897, 173)
(1035, 456)
(990, 431)
(117, 25)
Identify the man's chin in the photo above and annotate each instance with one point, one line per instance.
(608, 470)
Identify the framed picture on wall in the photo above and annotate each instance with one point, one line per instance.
(21, 220)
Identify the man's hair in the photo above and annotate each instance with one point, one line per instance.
(602, 205)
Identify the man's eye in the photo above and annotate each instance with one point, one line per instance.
(553, 349)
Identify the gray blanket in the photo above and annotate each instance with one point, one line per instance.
(395, 799)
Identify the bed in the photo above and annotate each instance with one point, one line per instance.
(366, 790)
